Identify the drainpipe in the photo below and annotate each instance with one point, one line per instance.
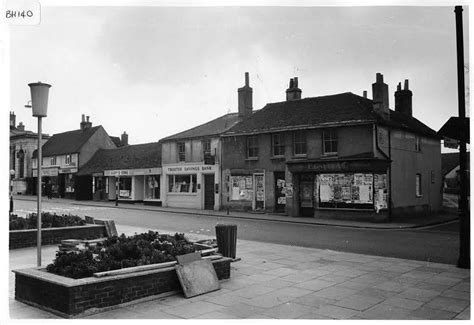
(390, 175)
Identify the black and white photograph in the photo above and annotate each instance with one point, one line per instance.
(244, 161)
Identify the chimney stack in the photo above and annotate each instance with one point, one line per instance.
(12, 120)
(245, 98)
(380, 96)
(293, 92)
(85, 123)
(124, 139)
(403, 99)
(21, 127)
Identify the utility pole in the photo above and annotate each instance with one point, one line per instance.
(464, 260)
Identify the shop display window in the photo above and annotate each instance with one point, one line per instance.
(152, 187)
(241, 188)
(182, 183)
(69, 183)
(125, 188)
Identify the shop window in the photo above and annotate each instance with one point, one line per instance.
(53, 161)
(278, 145)
(125, 188)
(206, 147)
(152, 187)
(417, 143)
(252, 147)
(182, 183)
(68, 159)
(299, 142)
(418, 185)
(242, 188)
(329, 141)
(69, 183)
(181, 151)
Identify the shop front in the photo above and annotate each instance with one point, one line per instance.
(132, 185)
(356, 189)
(192, 186)
(245, 189)
(49, 179)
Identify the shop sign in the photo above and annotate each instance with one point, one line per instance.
(46, 172)
(190, 169)
(67, 170)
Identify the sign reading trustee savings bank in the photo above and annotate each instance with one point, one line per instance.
(190, 169)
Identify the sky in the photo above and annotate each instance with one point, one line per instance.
(153, 71)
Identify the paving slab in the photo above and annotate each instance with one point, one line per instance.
(448, 304)
(336, 312)
(288, 310)
(358, 302)
(426, 312)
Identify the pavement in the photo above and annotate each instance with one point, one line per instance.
(274, 281)
(414, 222)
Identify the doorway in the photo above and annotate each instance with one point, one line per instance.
(209, 191)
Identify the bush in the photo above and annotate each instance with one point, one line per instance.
(48, 220)
(121, 252)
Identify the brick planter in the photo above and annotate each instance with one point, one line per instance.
(75, 297)
(27, 237)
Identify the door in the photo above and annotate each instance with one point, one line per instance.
(306, 195)
(280, 196)
(209, 192)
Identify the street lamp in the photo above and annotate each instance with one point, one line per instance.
(39, 103)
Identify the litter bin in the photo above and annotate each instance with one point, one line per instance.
(226, 236)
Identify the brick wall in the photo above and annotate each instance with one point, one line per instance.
(68, 297)
(27, 238)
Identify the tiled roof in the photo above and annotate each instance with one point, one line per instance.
(344, 108)
(67, 142)
(116, 140)
(214, 127)
(146, 155)
(449, 161)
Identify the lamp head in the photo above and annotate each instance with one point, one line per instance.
(39, 98)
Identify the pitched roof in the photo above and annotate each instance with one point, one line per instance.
(344, 108)
(449, 161)
(116, 140)
(146, 155)
(67, 142)
(214, 127)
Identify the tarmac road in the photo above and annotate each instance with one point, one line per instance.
(437, 244)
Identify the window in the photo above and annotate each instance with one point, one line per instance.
(181, 151)
(206, 147)
(152, 187)
(418, 184)
(329, 141)
(53, 161)
(252, 147)
(417, 144)
(21, 163)
(299, 143)
(278, 145)
(125, 188)
(68, 159)
(182, 183)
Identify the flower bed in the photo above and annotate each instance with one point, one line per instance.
(48, 220)
(69, 297)
(121, 252)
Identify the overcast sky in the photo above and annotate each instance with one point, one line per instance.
(156, 71)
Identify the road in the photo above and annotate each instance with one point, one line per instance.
(435, 244)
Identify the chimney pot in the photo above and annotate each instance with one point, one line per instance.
(405, 86)
(83, 118)
(247, 83)
(292, 84)
(295, 80)
(364, 94)
(379, 77)
(245, 98)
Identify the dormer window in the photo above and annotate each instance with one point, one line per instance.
(53, 161)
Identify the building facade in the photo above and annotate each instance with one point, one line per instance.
(65, 153)
(129, 173)
(22, 145)
(192, 159)
(319, 156)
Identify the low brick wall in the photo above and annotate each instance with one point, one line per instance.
(72, 297)
(27, 238)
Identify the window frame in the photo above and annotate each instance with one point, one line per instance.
(181, 154)
(68, 159)
(278, 147)
(417, 143)
(252, 147)
(300, 142)
(418, 185)
(205, 143)
(53, 161)
(329, 138)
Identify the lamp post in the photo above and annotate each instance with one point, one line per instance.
(39, 103)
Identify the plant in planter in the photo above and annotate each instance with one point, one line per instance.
(121, 252)
(48, 220)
